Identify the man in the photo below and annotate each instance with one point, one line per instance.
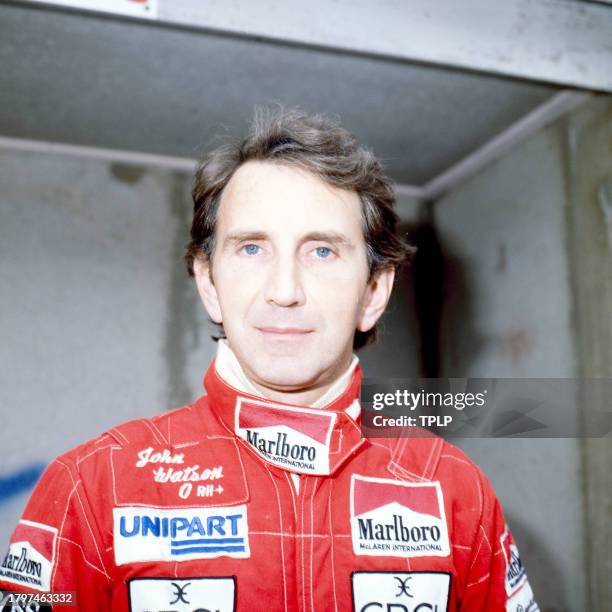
(262, 494)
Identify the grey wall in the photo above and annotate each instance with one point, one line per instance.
(98, 319)
(170, 90)
(588, 154)
(510, 295)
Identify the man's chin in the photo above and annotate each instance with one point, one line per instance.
(287, 377)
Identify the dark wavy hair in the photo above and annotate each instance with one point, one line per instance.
(319, 145)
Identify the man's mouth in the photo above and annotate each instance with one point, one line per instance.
(285, 333)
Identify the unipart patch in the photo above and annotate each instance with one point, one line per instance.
(182, 534)
(391, 518)
(182, 594)
(296, 439)
(400, 591)
(515, 571)
(29, 560)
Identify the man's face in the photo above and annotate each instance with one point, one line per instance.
(290, 276)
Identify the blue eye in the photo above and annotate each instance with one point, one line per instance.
(323, 252)
(250, 249)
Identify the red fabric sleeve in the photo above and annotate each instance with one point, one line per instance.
(497, 580)
(56, 544)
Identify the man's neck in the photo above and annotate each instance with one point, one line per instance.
(317, 396)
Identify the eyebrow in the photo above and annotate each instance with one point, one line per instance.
(336, 238)
(235, 237)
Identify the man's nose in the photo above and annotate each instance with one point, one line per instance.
(284, 284)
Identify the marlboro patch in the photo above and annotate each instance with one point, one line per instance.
(295, 439)
(391, 518)
(30, 557)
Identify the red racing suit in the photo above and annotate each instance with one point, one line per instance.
(197, 509)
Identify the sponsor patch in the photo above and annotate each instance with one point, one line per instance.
(391, 518)
(182, 594)
(154, 534)
(515, 571)
(520, 595)
(400, 591)
(522, 601)
(292, 438)
(29, 560)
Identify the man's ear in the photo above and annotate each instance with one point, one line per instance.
(376, 298)
(206, 289)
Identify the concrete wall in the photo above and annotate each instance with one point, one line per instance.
(99, 321)
(588, 150)
(508, 312)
